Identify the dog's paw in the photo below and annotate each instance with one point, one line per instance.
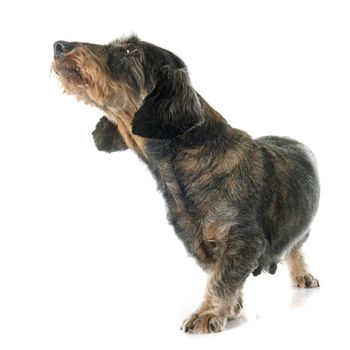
(204, 322)
(306, 281)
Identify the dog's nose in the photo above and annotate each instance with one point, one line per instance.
(61, 48)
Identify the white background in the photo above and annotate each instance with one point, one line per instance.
(87, 259)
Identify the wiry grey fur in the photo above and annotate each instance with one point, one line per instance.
(239, 205)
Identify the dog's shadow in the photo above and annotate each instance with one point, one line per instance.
(300, 296)
(237, 322)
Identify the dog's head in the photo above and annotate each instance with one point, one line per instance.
(131, 77)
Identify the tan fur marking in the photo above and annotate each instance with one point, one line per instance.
(133, 141)
(90, 83)
(211, 316)
(214, 312)
(299, 273)
(237, 308)
(215, 232)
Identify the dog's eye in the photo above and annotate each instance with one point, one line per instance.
(130, 49)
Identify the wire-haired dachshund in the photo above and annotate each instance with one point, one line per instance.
(239, 205)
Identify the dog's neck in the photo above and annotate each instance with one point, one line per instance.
(213, 128)
(124, 122)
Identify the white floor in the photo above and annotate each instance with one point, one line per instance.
(277, 316)
(88, 296)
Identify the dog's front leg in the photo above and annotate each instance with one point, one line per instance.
(214, 312)
(223, 300)
(107, 137)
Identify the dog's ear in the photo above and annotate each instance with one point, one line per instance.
(107, 137)
(170, 109)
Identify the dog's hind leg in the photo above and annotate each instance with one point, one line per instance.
(299, 273)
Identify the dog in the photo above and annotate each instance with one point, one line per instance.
(239, 205)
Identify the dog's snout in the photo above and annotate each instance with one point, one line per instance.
(62, 47)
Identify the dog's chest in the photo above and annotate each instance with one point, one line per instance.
(169, 185)
(134, 142)
(161, 164)
(178, 183)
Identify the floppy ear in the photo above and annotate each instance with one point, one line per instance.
(107, 137)
(170, 109)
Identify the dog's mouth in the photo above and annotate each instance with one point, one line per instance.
(65, 62)
(68, 69)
